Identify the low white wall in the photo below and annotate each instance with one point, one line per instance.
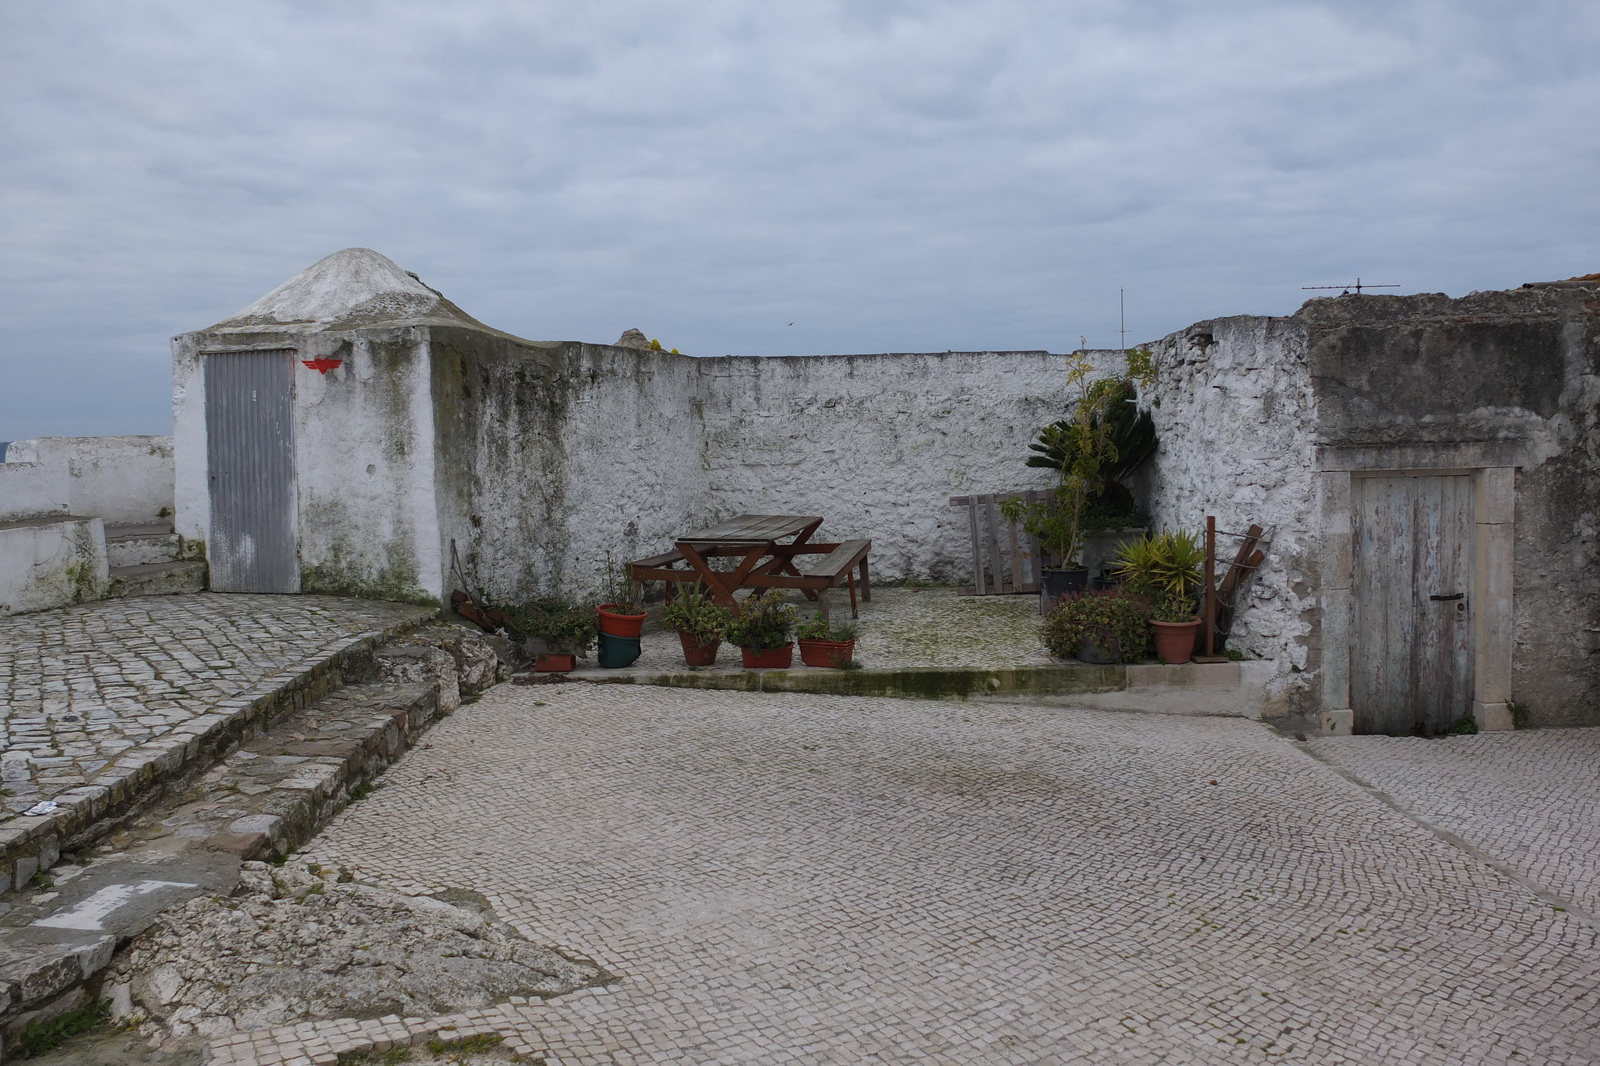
(1234, 413)
(29, 490)
(125, 480)
(50, 562)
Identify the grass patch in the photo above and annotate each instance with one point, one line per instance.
(465, 1045)
(393, 1057)
(362, 789)
(39, 1037)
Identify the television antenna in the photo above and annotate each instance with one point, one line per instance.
(1358, 286)
(1122, 320)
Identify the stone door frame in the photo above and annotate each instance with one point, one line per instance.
(1493, 468)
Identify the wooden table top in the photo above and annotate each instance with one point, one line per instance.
(752, 529)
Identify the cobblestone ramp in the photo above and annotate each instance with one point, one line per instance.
(100, 702)
(787, 878)
(269, 794)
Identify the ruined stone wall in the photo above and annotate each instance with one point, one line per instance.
(1496, 379)
(1233, 408)
(877, 444)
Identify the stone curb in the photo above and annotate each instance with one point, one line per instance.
(931, 683)
(30, 844)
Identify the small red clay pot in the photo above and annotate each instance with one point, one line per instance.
(554, 663)
(770, 659)
(621, 619)
(834, 653)
(1175, 640)
(697, 652)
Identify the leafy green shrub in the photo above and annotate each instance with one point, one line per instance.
(1114, 619)
(561, 625)
(696, 613)
(764, 622)
(820, 629)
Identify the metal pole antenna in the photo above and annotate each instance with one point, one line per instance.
(1122, 320)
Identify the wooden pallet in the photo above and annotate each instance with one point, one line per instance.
(1005, 560)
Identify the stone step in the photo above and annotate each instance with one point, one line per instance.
(140, 545)
(157, 579)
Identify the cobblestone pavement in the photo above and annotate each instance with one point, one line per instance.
(80, 685)
(832, 880)
(1530, 800)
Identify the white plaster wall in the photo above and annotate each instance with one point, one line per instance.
(126, 480)
(30, 489)
(50, 562)
(191, 493)
(1234, 419)
(364, 465)
(877, 444)
(636, 459)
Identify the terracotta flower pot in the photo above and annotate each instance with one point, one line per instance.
(1175, 640)
(621, 620)
(555, 662)
(834, 653)
(769, 658)
(697, 652)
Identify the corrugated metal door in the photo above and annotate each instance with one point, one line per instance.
(250, 452)
(1411, 671)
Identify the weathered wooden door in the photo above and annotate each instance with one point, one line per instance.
(250, 463)
(1411, 669)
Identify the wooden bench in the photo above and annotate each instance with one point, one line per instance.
(837, 567)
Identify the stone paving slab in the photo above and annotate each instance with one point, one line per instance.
(81, 686)
(827, 879)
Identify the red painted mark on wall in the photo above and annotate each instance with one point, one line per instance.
(323, 365)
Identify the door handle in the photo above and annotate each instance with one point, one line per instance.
(1452, 596)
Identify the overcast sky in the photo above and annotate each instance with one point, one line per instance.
(887, 176)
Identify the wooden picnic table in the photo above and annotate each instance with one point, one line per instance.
(765, 547)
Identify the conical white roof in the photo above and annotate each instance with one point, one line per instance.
(351, 289)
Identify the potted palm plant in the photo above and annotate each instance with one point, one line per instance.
(701, 623)
(1165, 567)
(761, 629)
(825, 644)
(1083, 449)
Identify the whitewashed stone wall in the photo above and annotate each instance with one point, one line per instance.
(1234, 413)
(49, 562)
(29, 490)
(573, 451)
(57, 494)
(877, 444)
(553, 455)
(124, 480)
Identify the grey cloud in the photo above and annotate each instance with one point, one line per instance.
(889, 176)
